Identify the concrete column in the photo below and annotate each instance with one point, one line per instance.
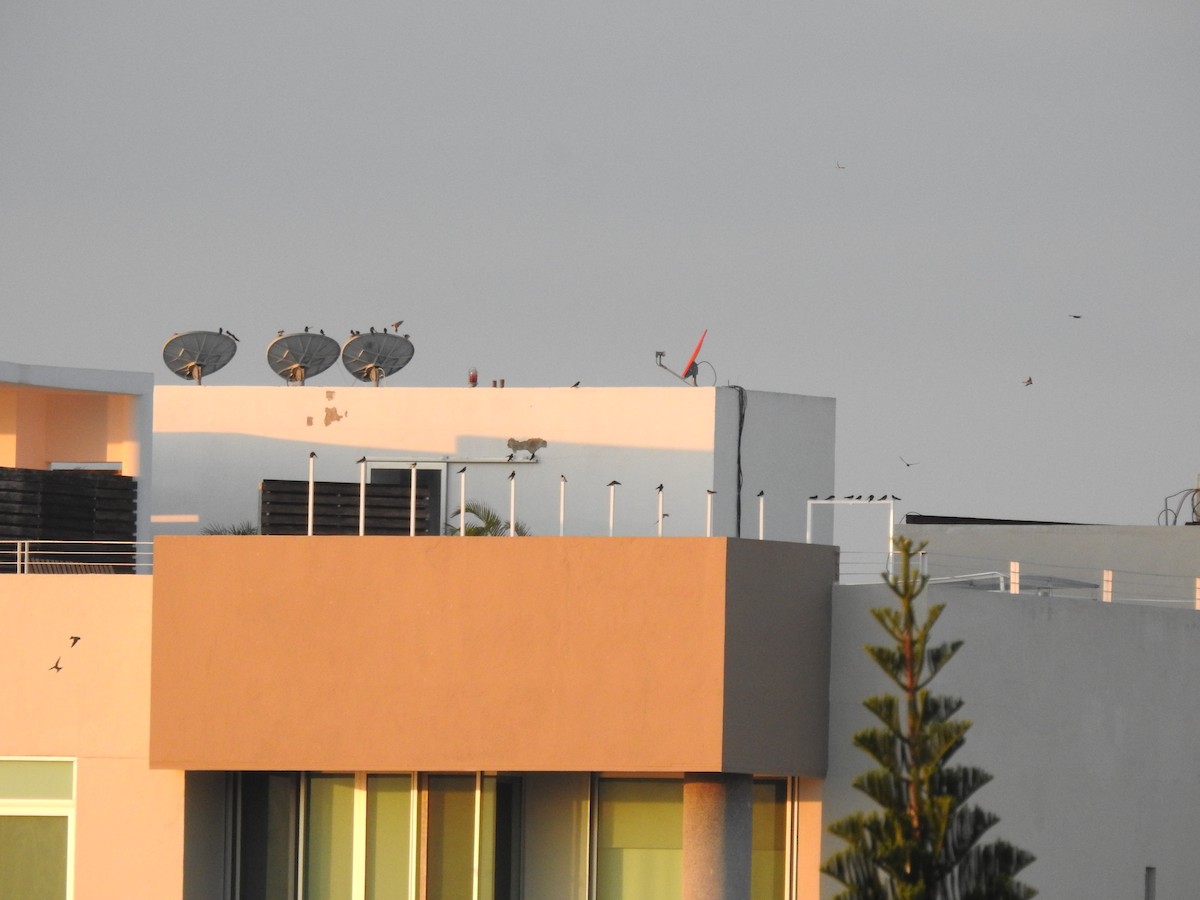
(716, 836)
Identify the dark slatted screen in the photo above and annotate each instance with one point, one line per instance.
(40, 505)
(284, 508)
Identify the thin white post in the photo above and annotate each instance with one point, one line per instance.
(412, 500)
(512, 504)
(808, 524)
(462, 502)
(761, 499)
(708, 528)
(612, 501)
(1014, 577)
(1197, 603)
(362, 496)
(660, 512)
(1106, 579)
(562, 504)
(312, 455)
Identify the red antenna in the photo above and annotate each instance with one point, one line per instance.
(691, 369)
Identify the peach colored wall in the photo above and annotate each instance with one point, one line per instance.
(434, 420)
(129, 819)
(8, 428)
(43, 425)
(376, 653)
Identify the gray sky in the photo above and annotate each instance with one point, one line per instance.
(551, 191)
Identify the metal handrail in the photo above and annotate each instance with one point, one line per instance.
(52, 557)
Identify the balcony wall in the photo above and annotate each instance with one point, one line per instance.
(533, 654)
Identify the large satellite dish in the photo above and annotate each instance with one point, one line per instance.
(194, 354)
(295, 357)
(373, 357)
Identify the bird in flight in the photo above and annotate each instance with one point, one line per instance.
(1073, 316)
(460, 471)
(659, 488)
(840, 166)
(907, 463)
(576, 384)
(75, 639)
(57, 667)
(1027, 382)
(396, 325)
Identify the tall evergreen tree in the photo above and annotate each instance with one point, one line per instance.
(923, 843)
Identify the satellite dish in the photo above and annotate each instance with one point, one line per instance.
(295, 357)
(193, 354)
(373, 357)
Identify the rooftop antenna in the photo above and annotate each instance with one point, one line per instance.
(691, 369)
(374, 356)
(295, 357)
(194, 354)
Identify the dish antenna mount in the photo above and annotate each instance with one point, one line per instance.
(373, 357)
(295, 357)
(691, 369)
(194, 354)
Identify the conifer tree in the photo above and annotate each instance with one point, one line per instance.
(923, 843)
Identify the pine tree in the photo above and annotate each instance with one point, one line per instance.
(924, 841)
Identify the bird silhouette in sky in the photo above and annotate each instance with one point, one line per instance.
(613, 483)
(57, 667)
(75, 639)
(463, 469)
(576, 384)
(1074, 316)
(659, 488)
(907, 463)
(396, 325)
(1027, 382)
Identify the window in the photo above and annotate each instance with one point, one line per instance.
(37, 828)
(333, 836)
(639, 839)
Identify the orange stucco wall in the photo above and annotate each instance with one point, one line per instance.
(535, 654)
(129, 819)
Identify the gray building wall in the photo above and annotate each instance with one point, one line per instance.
(1148, 562)
(1085, 713)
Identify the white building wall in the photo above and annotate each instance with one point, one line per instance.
(1084, 713)
(214, 445)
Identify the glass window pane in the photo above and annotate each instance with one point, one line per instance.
(329, 838)
(451, 837)
(639, 852)
(36, 779)
(33, 857)
(768, 838)
(267, 861)
(389, 833)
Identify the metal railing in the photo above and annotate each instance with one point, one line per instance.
(40, 557)
(1037, 577)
